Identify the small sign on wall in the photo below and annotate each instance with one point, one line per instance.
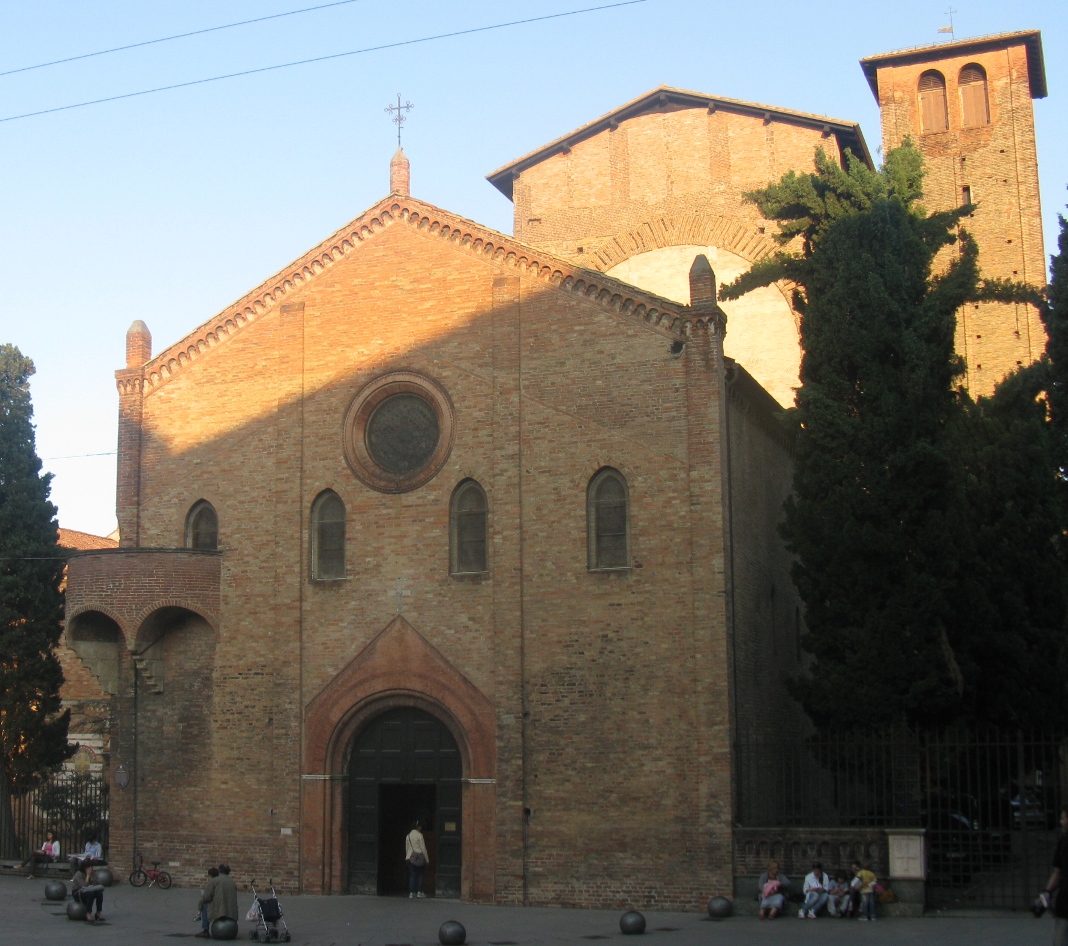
(450, 825)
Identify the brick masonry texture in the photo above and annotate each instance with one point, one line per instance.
(601, 703)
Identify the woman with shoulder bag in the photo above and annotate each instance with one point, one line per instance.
(416, 856)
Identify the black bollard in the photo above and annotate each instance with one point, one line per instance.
(55, 890)
(452, 933)
(632, 923)
(719, 908)
(223, 928)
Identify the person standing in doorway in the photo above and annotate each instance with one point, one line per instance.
(416, 856)
(1056, 892)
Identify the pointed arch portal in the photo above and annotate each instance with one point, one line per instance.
(398, 734)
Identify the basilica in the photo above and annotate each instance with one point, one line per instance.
(476, 529)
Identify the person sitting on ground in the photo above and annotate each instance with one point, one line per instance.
(771, 889)
(839, 896)
(221, 897)
(91, 856)
(206, 896)
(815, 891)
(48, 853)
(864, 884)
(83, 890)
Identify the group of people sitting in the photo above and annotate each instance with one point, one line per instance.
(49, 853)
(844, 895)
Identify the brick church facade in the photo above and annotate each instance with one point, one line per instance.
(446, 524)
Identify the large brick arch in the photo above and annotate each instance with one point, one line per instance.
(398, 668)
(699, 229)
(691, 229)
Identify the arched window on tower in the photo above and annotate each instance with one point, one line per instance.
(974, 104)
(468, 520)
(202, 527)
(328, 536)
(606, 516)
(933, 114)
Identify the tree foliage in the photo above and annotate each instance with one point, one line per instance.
(925, 526)
(33, 731)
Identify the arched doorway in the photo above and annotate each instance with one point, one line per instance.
(405, 765)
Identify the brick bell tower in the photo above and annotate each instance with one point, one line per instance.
(967, 105)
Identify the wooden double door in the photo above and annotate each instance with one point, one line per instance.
(405, 767)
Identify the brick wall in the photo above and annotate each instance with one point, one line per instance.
(610, 690)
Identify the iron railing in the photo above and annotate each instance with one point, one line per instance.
(988, 800)
(72, 804)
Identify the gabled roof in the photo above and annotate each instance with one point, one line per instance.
(1032, 39)
(626, 301)
(848, 134)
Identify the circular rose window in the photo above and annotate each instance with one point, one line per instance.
(398, 432)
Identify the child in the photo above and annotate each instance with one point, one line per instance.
(864, 883)
(840, 897)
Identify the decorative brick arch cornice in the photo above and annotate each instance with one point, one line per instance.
(467, 237)
(692, 229)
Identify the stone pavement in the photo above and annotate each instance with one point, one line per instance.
(151, 916)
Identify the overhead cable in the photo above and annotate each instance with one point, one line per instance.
(304, 62)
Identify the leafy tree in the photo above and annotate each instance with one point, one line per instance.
(33, 731)
(879, 519)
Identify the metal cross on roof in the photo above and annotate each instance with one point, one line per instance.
(399, 118)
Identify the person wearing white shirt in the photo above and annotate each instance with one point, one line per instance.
(815, 889)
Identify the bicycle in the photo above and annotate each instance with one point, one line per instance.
(149, 875)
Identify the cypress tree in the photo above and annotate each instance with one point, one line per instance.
(33, 731)
(879, 519)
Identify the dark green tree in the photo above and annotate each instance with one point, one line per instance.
(33, 731)
(879, 517)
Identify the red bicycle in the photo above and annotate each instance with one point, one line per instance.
(149, 875)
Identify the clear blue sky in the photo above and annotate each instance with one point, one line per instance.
(168, 207)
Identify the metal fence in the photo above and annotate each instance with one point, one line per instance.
(71, 804)
(988, 800)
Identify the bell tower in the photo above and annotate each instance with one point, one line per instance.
(967, 106)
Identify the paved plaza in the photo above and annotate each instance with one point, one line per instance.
(152, 916)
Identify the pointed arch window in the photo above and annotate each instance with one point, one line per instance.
(974, 104)
(933, 114)
(468, 517)
(202, 527)
(606, 515)
(328, 536)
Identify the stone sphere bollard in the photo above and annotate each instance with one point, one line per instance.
(76, 910)
(223, 928)
(452, 933)
(103, 876)
(632, 923)
(719, 908)
(55, 890)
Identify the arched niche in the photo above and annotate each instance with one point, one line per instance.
(97, 639)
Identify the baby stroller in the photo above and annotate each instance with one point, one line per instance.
(266, 913)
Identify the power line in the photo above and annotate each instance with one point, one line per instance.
(304, 62)
(167, 39)
(79, 456)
